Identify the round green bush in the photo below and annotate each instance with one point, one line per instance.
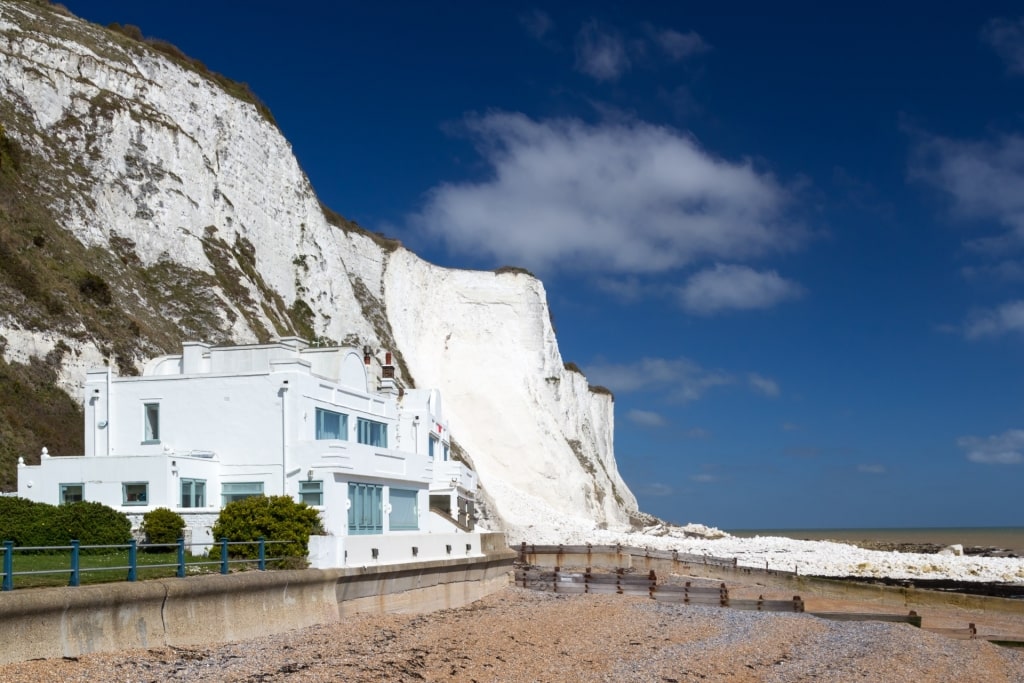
(162, 525)
(27, 523)
(92, 524)
(275, 518)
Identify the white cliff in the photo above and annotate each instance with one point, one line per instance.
(150, 154)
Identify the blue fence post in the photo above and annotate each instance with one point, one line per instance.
(75, 577)
(223, 556)
(181, 557)
(8, 565)
(263, 554)
(133, 559)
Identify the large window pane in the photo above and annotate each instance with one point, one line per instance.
(331, 425)
(152, 422)
(373, 433)
(404, 511)
(71, 493)
(366, 508)
(237, 490)
(193, 493)
(135, 493)
(311, 492)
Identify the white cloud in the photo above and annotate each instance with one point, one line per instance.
(866, 468)
(763, 385)
(601, 53)
(698, 433)
(679, 46)
(1001, 449)
(537, 23)
(646, 418)
(680, 378)
(1006, 37)
(993, 322)
(703, 478)
(985, 180)
(735, 287)
(609, 198)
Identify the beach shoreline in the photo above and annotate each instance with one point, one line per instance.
(980, 541)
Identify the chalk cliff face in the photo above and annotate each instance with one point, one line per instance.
(191, 218)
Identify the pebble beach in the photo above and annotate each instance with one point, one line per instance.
(516, 635)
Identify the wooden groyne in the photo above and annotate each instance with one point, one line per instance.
(834, 599)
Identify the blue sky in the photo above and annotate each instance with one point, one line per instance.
(790, 239)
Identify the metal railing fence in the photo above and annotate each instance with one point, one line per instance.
(75, 568)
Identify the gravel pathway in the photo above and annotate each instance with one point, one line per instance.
(519, 635)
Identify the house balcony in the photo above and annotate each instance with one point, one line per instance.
(453, 475)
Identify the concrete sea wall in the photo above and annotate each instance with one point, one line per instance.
(67, 622)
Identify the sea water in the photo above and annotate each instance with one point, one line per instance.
(1010, 538)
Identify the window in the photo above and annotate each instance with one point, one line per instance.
(311, 492)
(404, 511)
(331, 425)
(193, 493)
(373, 433)
(230, 492)
(446, 452)
(135, 493)
(71, 493)
(431, 445)
(366, 509)
(151, 432)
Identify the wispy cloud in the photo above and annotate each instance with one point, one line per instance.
(655, 489)
(678, 46)
(1001, 449)
(612, 198)
(1006, 36)
(626, 290)
(601, 52)
(984, 180)
(733, 287)
(763, 385)
(703, 478)
(994, 322)
(871, 468)
(803, 451)
(537, 23)
(680, 378)
(790, 427)
(1004, 271)
(697, 433)
(646, 418)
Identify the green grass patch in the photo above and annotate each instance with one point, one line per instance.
(105, 567)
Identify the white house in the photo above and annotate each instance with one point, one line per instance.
(327, 426)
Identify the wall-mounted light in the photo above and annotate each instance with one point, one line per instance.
(309, 475)
(102, 424)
